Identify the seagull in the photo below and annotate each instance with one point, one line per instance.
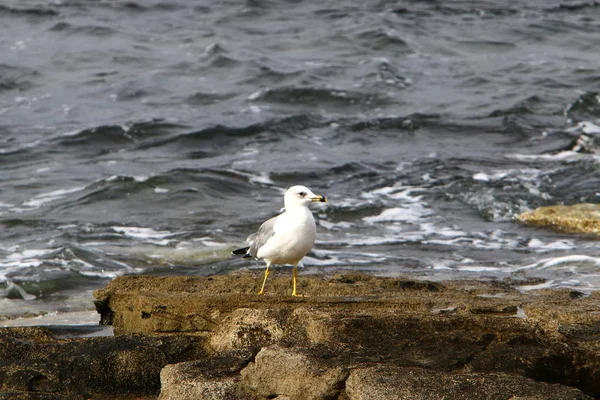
(288, 237)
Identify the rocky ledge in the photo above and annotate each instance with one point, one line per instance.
(350, 337)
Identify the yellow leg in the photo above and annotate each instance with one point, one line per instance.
(294, 276)
(267, 273)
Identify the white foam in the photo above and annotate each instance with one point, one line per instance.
(27, 254)
(569, 260)
(398, 192)
(257, 94)
(478, 268)
(369, 241)
(560, 156)
(142, 233)
(254, 109)
(399, 214)
(70, 133)
(586, 127)
(480, 176)
(44, 198)
(103, 273)
(55, 318)
(544, 285)
(211, 243)
(335, 226)
(573, 261)
(262, 178)
(557, 245)
(160, 190)
(441, 267)
(430, 228)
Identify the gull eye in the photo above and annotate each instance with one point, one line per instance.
(302, 194)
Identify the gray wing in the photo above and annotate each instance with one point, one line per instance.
(260, 237)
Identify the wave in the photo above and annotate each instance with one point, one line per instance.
(213, 137)
(321, 97)
(210, 140)
(380, 39)
(38, 11)
(409, 122)
(32, 273)
(17, 77)
(106, 138)
(90, 30)
(573, 7)
(585, 108)
(205, 99)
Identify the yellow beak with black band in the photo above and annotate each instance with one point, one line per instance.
(321, 199)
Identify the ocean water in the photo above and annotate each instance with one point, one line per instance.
(151, 137)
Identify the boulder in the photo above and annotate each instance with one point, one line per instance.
(247, 328)
(279, 371)
(213, 377)
(576, 218)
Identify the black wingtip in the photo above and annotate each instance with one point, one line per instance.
(241, 251)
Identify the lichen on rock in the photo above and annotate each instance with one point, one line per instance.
(577, 218)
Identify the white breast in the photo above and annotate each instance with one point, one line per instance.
(295, 234)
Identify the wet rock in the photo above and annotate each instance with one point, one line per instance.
(389, 382)
(33, 361)
(577, 218)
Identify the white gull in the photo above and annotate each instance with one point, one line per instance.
(288, 237)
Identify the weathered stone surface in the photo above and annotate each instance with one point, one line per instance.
(463, 334)
(247, 328)
(389, 382)
(32, 361)
(292, 373)
(584, 218)
(215, 378)
(355, 321)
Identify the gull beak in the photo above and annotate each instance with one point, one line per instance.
(321, 199)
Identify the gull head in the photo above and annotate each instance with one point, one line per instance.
(301, 196)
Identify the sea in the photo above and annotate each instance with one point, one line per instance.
(152, 137)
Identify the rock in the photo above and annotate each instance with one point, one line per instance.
(389, 382)
(215, 338)
(211, 378)
(247, 328)
(279, 371)
(353, 321)
(581, 218)
(177, 384)
(33, 361)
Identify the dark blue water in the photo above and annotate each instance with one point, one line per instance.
(152, 137)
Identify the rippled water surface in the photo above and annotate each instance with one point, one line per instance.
(151, 137)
